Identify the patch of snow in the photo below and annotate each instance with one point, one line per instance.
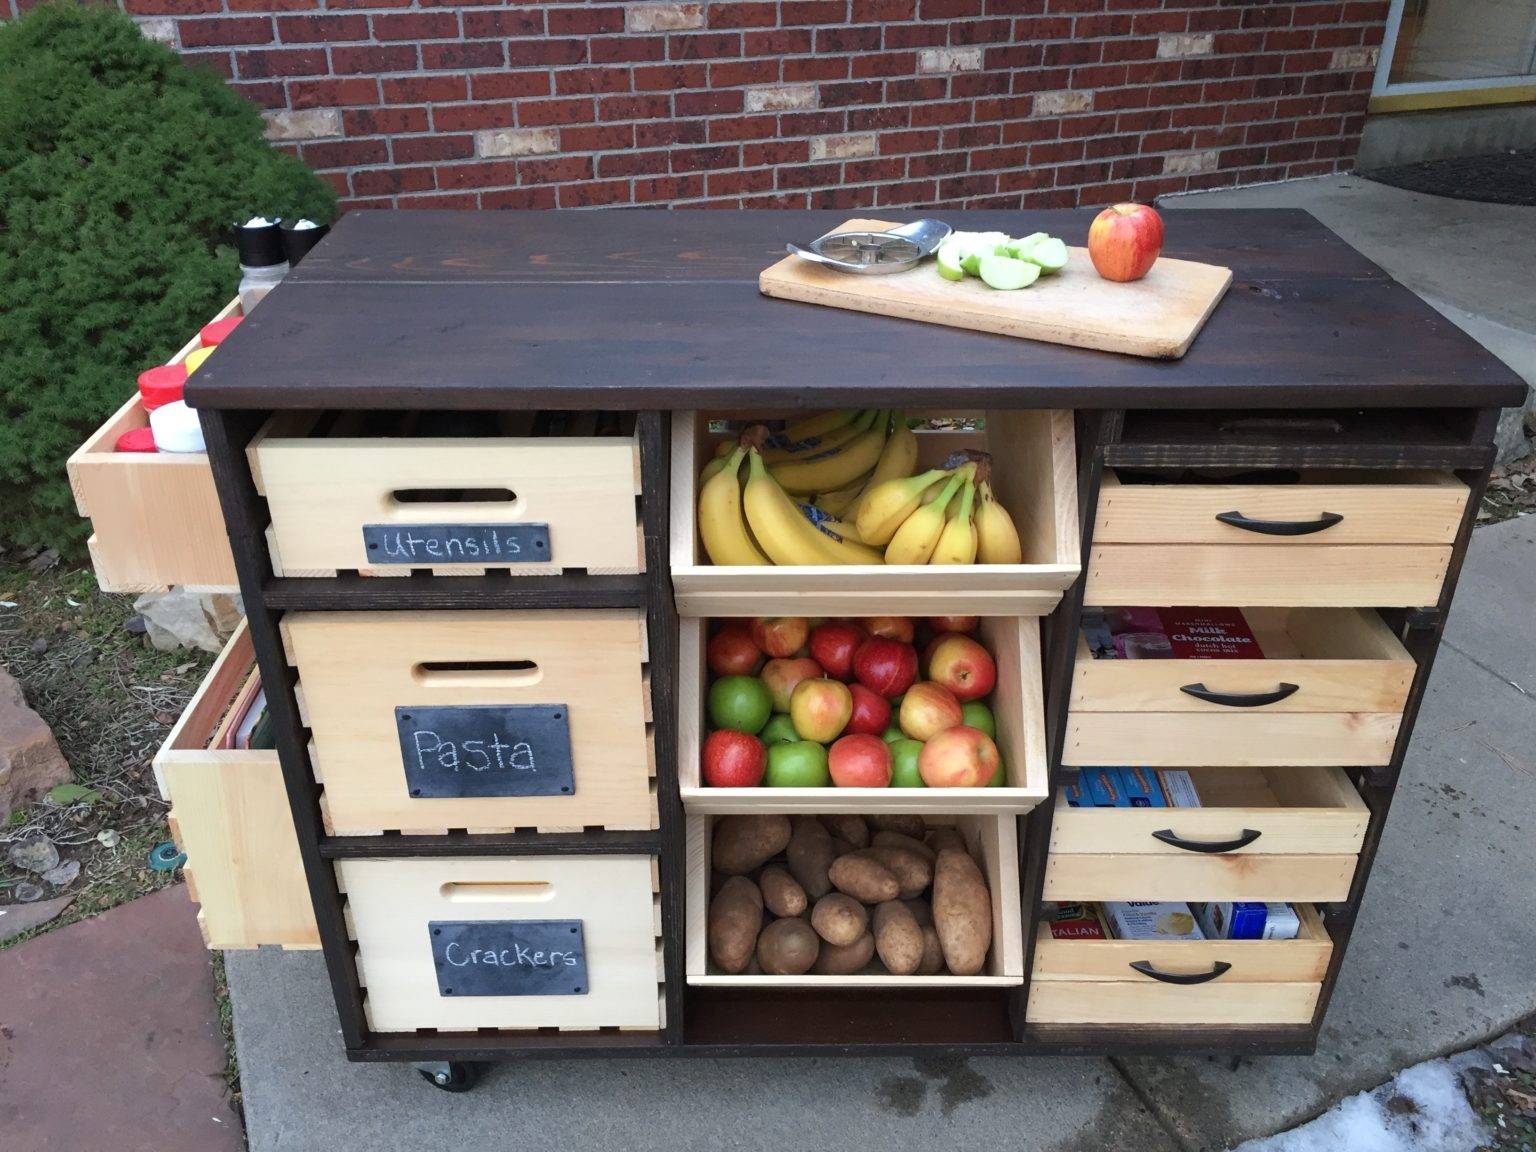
(1422, 1110)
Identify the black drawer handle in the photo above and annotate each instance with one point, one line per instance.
(1170, 837)
(1218, 968)
(1280, 527)
(1240, 699)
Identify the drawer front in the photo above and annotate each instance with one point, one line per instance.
(367, 678)
(1148, 1002)
(1321, 877)
(607, 903)
(1372, 507)
(1176, 739)
(323, 492)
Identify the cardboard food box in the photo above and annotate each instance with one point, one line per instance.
(1152, 920)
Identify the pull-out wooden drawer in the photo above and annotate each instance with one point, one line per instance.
(487, 721)
(1180, 981)
(459, 945)
(342, 499)
(1262, 834)
(230, 815)
(1351, 538)
(1331, 690)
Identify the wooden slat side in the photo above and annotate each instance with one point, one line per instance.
(1318, 878)
(1179, 739)
(1125, 1002)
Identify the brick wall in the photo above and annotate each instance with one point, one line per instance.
(765, 103)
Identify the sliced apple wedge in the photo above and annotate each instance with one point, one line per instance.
(1007, 274)
(949, 258)
(1050, 254)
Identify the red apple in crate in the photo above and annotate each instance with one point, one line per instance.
(885, 666)
(871, 711)
(860, 761)
(1124, 240)
(781, 676)
(928, 709)
(833, 645)
(891, 627)
(943, 624)
(820, 709)
(733, 652)
(958, 757)
(963, 666)
(780, 635)
(733, 760)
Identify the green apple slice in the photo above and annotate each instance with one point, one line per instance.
(949, 258)
(1007, 274)
(1019, 249)
(1050, 254)
(971, 263)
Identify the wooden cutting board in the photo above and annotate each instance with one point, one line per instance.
(1157, 316)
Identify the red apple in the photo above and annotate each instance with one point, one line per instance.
(860, 761)
(1123, 241)
(820, 709)
(781, 676)
(953, 623)
(963, 666)
(928, 709)
(833, 645)
(780, 635)
(733, 759)
(891, 627)
(871, 711)
(732, 651)
(885, 666)
(959, 757)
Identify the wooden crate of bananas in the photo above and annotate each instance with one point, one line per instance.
(860, 512)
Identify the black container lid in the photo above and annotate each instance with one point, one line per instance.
(260, 243)
(297, 241)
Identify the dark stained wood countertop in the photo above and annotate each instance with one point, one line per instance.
(660, 309)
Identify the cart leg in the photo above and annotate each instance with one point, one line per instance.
(449, 1075)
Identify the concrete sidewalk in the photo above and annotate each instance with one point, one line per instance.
(1441, 959)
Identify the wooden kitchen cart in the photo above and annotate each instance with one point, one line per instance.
(1316, 364)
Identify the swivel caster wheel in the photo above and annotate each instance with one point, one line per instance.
(449, 1075)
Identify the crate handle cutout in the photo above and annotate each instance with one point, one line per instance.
(477, 673)
(453, 496)
(497, 891)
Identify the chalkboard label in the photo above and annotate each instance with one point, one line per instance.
(486, 750)
(509, 957)
(424, 545)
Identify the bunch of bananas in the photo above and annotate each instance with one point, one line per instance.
(839, 488)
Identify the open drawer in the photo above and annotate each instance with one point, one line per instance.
(1034, 477)
(1180, 981)
(155, 516)
(230, 815)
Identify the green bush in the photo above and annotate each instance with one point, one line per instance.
(121, 171)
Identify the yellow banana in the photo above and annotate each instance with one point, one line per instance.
(817, 445)
(721, 526)
(897, 459)
(712, 468)
(997, 540)
(819, 424)
(887, 505)
(840, 501)
(829, 523)
(786, 535)
(957, 543)
(828, 470)
(919, 533)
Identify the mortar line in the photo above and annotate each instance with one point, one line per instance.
(1149, 1102)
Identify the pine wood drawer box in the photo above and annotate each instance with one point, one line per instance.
(1261, 834)
(994, 844)
(485, 721)
(1034, 476)
(1213, 981)
(1017, 705)
(1330, 690)
(459, 945)
(530, 505)
(230, 815)
(1353, 538)
(155, 516)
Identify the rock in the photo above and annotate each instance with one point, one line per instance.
(18, 918)
(39, 646)
(179, 618)
(28, 892)
(64, 875)
(135, 626)
(34, 854)
(30, 760)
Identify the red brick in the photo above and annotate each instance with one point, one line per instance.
(223, 31)
(508, 85)
(171, 7)
(807, 175)
(647, 107)
(775, 152)
(662, 133)
(390, 121)
(391, 181)
(863, 39)
(415, 26)
(778, 42)
(591, 81)
(339, 92)
(484, 174)
(750, 15)
(878, 119)
(936, 164)
(913, 35)
(799, 69)
(974, 32)
(544, 113)
(472, 117)
(457, 54)
(713, 156)
(584, 21)
(933, 115)
(345, 153)
(626, 49)
(793, 12)
(522, 199)
(632, 164)
(265, 6)
(669, 77)
(733, 73)
(425, 149)
(437, 203)
(411, 89)
(320, 29)
(727, 128)
(263, 63)
(555, 170)
(884, 64)
(594, 194)
(505, 22)
(841, 95)
(263, 93)
(704, 46)
(373, 58)
(669, 188)
(706, 103)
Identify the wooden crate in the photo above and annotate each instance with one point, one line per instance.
(229, 814)
(390, 904)
(1017, 704)
(324, 482)
(1034, 477)
(155, 517)
(1266, 981)
(993, 840)
(357, 668)
(1163, 544)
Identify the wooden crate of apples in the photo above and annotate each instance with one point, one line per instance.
(879, 702)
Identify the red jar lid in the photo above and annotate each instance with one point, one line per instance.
(136, 440)
(162, 385)
(212, 335)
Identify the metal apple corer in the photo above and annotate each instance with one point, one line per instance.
(875, 253)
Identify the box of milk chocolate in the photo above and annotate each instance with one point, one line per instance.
(1209, 634)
